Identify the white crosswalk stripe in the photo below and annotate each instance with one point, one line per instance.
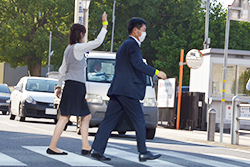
(73, 159)
(196, 159)
(134, 158)
(243, 160)
(70, 159)
(6, 160)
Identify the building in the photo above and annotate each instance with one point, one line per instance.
(11, 76)
(209, 78)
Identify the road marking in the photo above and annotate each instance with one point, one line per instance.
(6, 160)
(230, 157)
(9, 124)
(196, 159)
(134, 158)
(117, 146)
(71, 159)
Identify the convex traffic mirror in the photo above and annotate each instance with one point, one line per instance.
(194, 59)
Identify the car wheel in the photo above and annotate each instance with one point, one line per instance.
(78, 123)
(55, 120)
(12, 117)
(4, 112)
(22, 119)
(121, 132)
(58, 115)
(78, 131)
(150, 133)
(65, 128)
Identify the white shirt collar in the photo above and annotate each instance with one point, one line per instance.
(139, 43)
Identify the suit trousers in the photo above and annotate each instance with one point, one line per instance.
(116, 106)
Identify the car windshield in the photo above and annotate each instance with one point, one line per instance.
(4, 89)
(39, 85)
(102, 70)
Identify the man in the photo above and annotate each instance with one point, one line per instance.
(248, 85)
(95, 73)
(127, 89)
(96, 67)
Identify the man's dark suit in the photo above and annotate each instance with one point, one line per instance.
(127, 88)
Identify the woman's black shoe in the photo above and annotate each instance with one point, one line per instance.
(85, 152)
(49, 151)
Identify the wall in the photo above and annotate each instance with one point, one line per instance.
(11, 76)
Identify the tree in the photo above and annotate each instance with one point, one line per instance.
(172, 25)
(125, 10)
(24, 31)
(182, 29)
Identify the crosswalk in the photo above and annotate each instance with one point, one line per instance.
(169, 158)
(6, 160)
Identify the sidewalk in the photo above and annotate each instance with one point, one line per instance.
(201, 137)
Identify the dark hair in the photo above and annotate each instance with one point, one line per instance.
(75, 30)
(135, 22)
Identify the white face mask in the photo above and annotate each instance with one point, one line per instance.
(142, 37)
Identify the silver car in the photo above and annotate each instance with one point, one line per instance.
(4, 98)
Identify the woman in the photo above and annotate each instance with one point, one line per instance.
(72, 71)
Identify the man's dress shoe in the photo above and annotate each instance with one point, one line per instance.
(97, 155)
(148, 156)
(49, 151)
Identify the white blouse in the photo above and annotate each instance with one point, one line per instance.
(79, 50)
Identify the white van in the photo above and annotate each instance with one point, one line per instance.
(97, 85)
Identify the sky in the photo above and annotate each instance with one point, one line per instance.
(225, 3)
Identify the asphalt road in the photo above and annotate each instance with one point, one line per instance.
(25, 143)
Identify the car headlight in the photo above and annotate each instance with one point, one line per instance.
(150, 102)
(8, 101)
(30, 100)
(93, 98)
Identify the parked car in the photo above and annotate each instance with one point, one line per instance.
(4, 98)
(33, 97)
(97, 85)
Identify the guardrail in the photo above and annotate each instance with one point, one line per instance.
(235, 121)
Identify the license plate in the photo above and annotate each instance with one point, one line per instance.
(51, 111)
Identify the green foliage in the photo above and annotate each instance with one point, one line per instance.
(172, 25)
(25, 27)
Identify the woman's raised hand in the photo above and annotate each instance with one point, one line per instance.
(104, 20)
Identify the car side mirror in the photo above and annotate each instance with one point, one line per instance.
(17, 88)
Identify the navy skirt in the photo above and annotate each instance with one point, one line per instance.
(73, 100)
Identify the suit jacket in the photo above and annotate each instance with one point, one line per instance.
(130, 71)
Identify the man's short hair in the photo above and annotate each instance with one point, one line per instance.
(135, 22)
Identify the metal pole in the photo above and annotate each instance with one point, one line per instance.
(113, 27)
(179, 93)
(235, 124)
(50, 38)
(206, 45)
(84, 23)
(211, 124)
(224, 74)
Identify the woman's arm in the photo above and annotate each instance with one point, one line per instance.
(80, 48)
(62, 70)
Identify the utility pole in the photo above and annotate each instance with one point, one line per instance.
(207, 40)
(50, 38)
(113, 27)
(239, 11)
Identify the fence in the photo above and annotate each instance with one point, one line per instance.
(235, 124)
